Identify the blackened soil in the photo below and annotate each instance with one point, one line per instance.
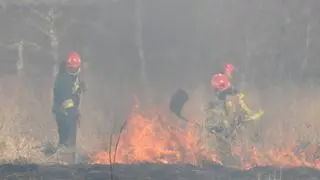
(152, 172)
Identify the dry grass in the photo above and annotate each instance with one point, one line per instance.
(26, 119)
(292, 113)
(23, 111)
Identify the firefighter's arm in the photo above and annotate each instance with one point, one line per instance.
(243, 105)
(247, 110)
(234, 91)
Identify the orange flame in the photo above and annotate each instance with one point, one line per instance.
(155, 139)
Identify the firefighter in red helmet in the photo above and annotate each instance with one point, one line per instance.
(66, 99)
(223, 87)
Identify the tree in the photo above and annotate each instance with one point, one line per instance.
(139, 41)
(20, 47)
(50, 29)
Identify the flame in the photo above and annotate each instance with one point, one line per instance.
(152, 137)
(155, 139)
(278, 156)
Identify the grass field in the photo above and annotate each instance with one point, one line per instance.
(291, 117)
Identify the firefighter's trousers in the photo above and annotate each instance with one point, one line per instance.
(67, 130)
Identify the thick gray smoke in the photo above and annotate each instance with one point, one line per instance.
(151, 48)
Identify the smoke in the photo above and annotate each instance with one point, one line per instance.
(148, 49)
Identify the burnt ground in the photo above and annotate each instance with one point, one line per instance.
(152, 172)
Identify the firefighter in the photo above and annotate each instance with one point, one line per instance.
(66, 99)
(221, 84)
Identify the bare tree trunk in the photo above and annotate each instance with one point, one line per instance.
(20, 47)
(305, 60)
(139, 42)
(54, 43)
(20, 62)
(50, 30)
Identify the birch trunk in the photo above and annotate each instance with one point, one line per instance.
(20, 62)
(54, 43)
(139, 42)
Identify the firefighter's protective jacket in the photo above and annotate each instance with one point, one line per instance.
(66, 92)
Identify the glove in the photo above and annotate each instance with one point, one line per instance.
(70, 109)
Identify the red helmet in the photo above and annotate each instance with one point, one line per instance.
(228, 68)
(73, 63)
(74, 60)
(220, 82)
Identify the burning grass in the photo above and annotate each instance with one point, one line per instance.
(155, 139)
(153, 135)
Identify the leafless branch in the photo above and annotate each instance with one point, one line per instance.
(21, 44)
(110, 156)
(50, 17)
(37, 47)
(53, 15)
(39, 14)
(118, 139)
(112, 160)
